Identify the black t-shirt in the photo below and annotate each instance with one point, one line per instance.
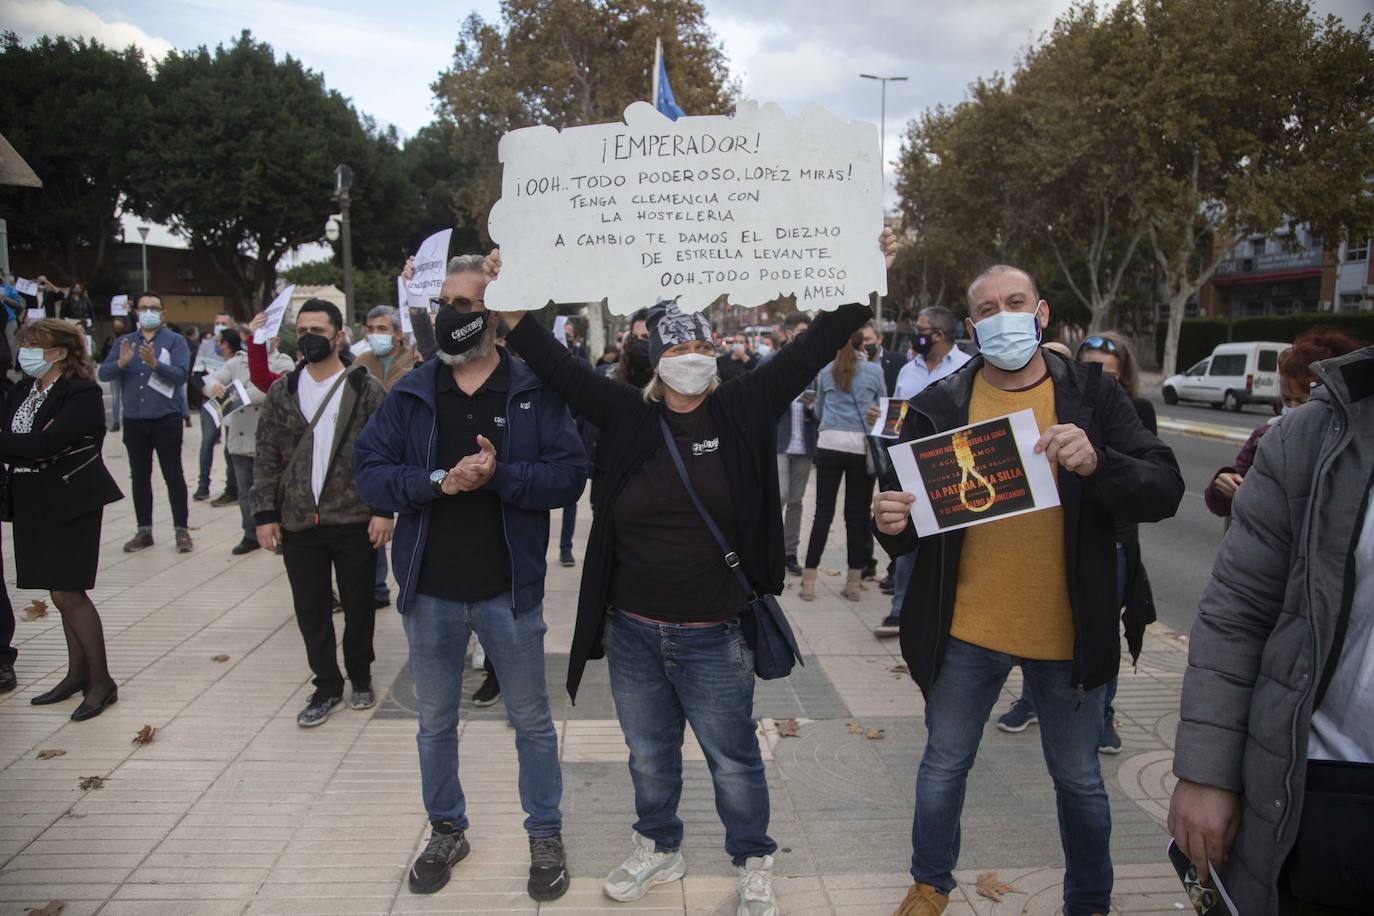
(466, 557)
(667, 565)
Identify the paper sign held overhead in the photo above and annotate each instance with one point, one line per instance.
(27, 287)
(976, 474)
(752, 206)
(403, 306)
(275, 312)
(119, 305)
(431, 263)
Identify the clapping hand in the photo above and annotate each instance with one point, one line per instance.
(473, 471)
(126, 352)
(145, 353)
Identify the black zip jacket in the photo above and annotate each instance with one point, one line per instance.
(1137, 480)
(745, 414)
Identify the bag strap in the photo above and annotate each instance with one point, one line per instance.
(329, 396)
(731, 558)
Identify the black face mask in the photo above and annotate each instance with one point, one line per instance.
(315, 347)
(638, 371)
(457, 332)
(871, 350)
(923, 344)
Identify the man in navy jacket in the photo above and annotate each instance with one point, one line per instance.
(472, 451)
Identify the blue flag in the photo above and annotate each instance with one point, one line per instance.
(665, 101)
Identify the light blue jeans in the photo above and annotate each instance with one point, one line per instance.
(437, 632)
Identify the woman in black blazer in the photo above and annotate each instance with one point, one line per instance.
(51, 433)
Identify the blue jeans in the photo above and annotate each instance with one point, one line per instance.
(116, 404)
(901, 580)
(209, 438)
(957, 709)
(663, 677)
(381, 586)
(565, 536)
(437, 632)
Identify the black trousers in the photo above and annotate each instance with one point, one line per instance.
(831, 468)
(7, 651)
(143, 438)
(309, 556)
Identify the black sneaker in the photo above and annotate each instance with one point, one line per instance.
(362, 698)
(870, 571)
(488, 693)
(565, 558)
(790, 561)
(225, 499)
(201, 494)
(184, 543)
(887, 585)
(244, 546)
(891, 626)
(7, 679)
(548, 868)
(447, 847)
(317, 710)
(381, 598)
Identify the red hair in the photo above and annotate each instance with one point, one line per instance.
(1311, 347)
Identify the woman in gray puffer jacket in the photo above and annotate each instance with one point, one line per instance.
(1295, 569)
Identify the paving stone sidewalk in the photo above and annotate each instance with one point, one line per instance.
(234, 809)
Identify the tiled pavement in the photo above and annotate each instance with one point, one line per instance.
(234, 809)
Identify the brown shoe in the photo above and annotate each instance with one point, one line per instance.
(183, 541)
(224, 499)
(922, 900)
(808, 586)
(853, 586)
(139, 541)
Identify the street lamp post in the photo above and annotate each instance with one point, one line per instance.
(343, 181)
(143, 233)
(882, 155)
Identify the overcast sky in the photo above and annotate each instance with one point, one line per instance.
(793, 53)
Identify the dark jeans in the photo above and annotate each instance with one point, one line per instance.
(380, 585)
(663, 677)
(858, 488)
(309, 555)
(209, 438)
(231, 486)
(141, 439)
(569, 526)
(241, 474)
(957, 708)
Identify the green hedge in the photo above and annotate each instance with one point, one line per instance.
(1199, 336)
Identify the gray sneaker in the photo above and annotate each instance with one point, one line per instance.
(756, 888)
(645, 868)
(317, 710)
(362, 698)
(183, 541)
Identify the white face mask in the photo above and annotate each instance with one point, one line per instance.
(690, 374)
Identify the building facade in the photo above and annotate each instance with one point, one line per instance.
(1287, 273)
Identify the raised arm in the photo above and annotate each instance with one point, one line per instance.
(587, 392)
(786, 375)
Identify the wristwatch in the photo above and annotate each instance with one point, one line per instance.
(436, 480)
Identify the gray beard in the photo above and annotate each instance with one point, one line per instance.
(479, 351)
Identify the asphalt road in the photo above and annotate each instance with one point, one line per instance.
(1178, 553)
(1250, 416)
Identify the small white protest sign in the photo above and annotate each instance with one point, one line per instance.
(275, 312)
(119, 305)
(37, 314)
(753, 206)
(430, 263)
(27, 287)
(403, 306)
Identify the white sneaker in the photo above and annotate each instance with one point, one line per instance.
(644, 869)
(756, 888)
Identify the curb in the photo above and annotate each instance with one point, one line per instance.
(1204, 431)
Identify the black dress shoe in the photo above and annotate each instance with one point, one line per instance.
(57, 696)
(244, 546)
(887, 585)
(793, 566)
(7, 679)
(90, 711)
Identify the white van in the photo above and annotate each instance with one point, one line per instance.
(1234, 375)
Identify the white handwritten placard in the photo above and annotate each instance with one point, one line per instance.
(431, 263)
(275, 313)
(753, 206)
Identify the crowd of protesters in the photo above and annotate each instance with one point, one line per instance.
(455, 443)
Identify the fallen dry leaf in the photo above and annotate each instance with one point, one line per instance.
(219, 658)
(900, 668)
(91, 782)
(788, 728)
(831, 572)
(36, 608)
(51, 753)
(855, 728)
(993, 888)
(51, 908)
(145, 734)
(874, 734)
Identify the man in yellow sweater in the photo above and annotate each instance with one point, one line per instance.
(1036, 590)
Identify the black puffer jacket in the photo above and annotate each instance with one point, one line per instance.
(1137, 480)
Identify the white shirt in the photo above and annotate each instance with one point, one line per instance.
(310, 393)
(915, 375)
(1343, 728)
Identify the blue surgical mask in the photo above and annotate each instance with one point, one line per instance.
(150, 319)
(1008, 340)
(380, 343)
(1283, 411)
(220, 328)
(32, 362)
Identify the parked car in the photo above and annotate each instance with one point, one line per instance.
(1234, 375)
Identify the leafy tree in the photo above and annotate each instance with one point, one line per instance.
(370, 287)
(566, 63)
(73, 109)
(1248, 114)
(243, 153)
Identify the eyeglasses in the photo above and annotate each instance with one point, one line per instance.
(458, 302)
(1098, 343)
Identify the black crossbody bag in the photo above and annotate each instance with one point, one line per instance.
(765, 626)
